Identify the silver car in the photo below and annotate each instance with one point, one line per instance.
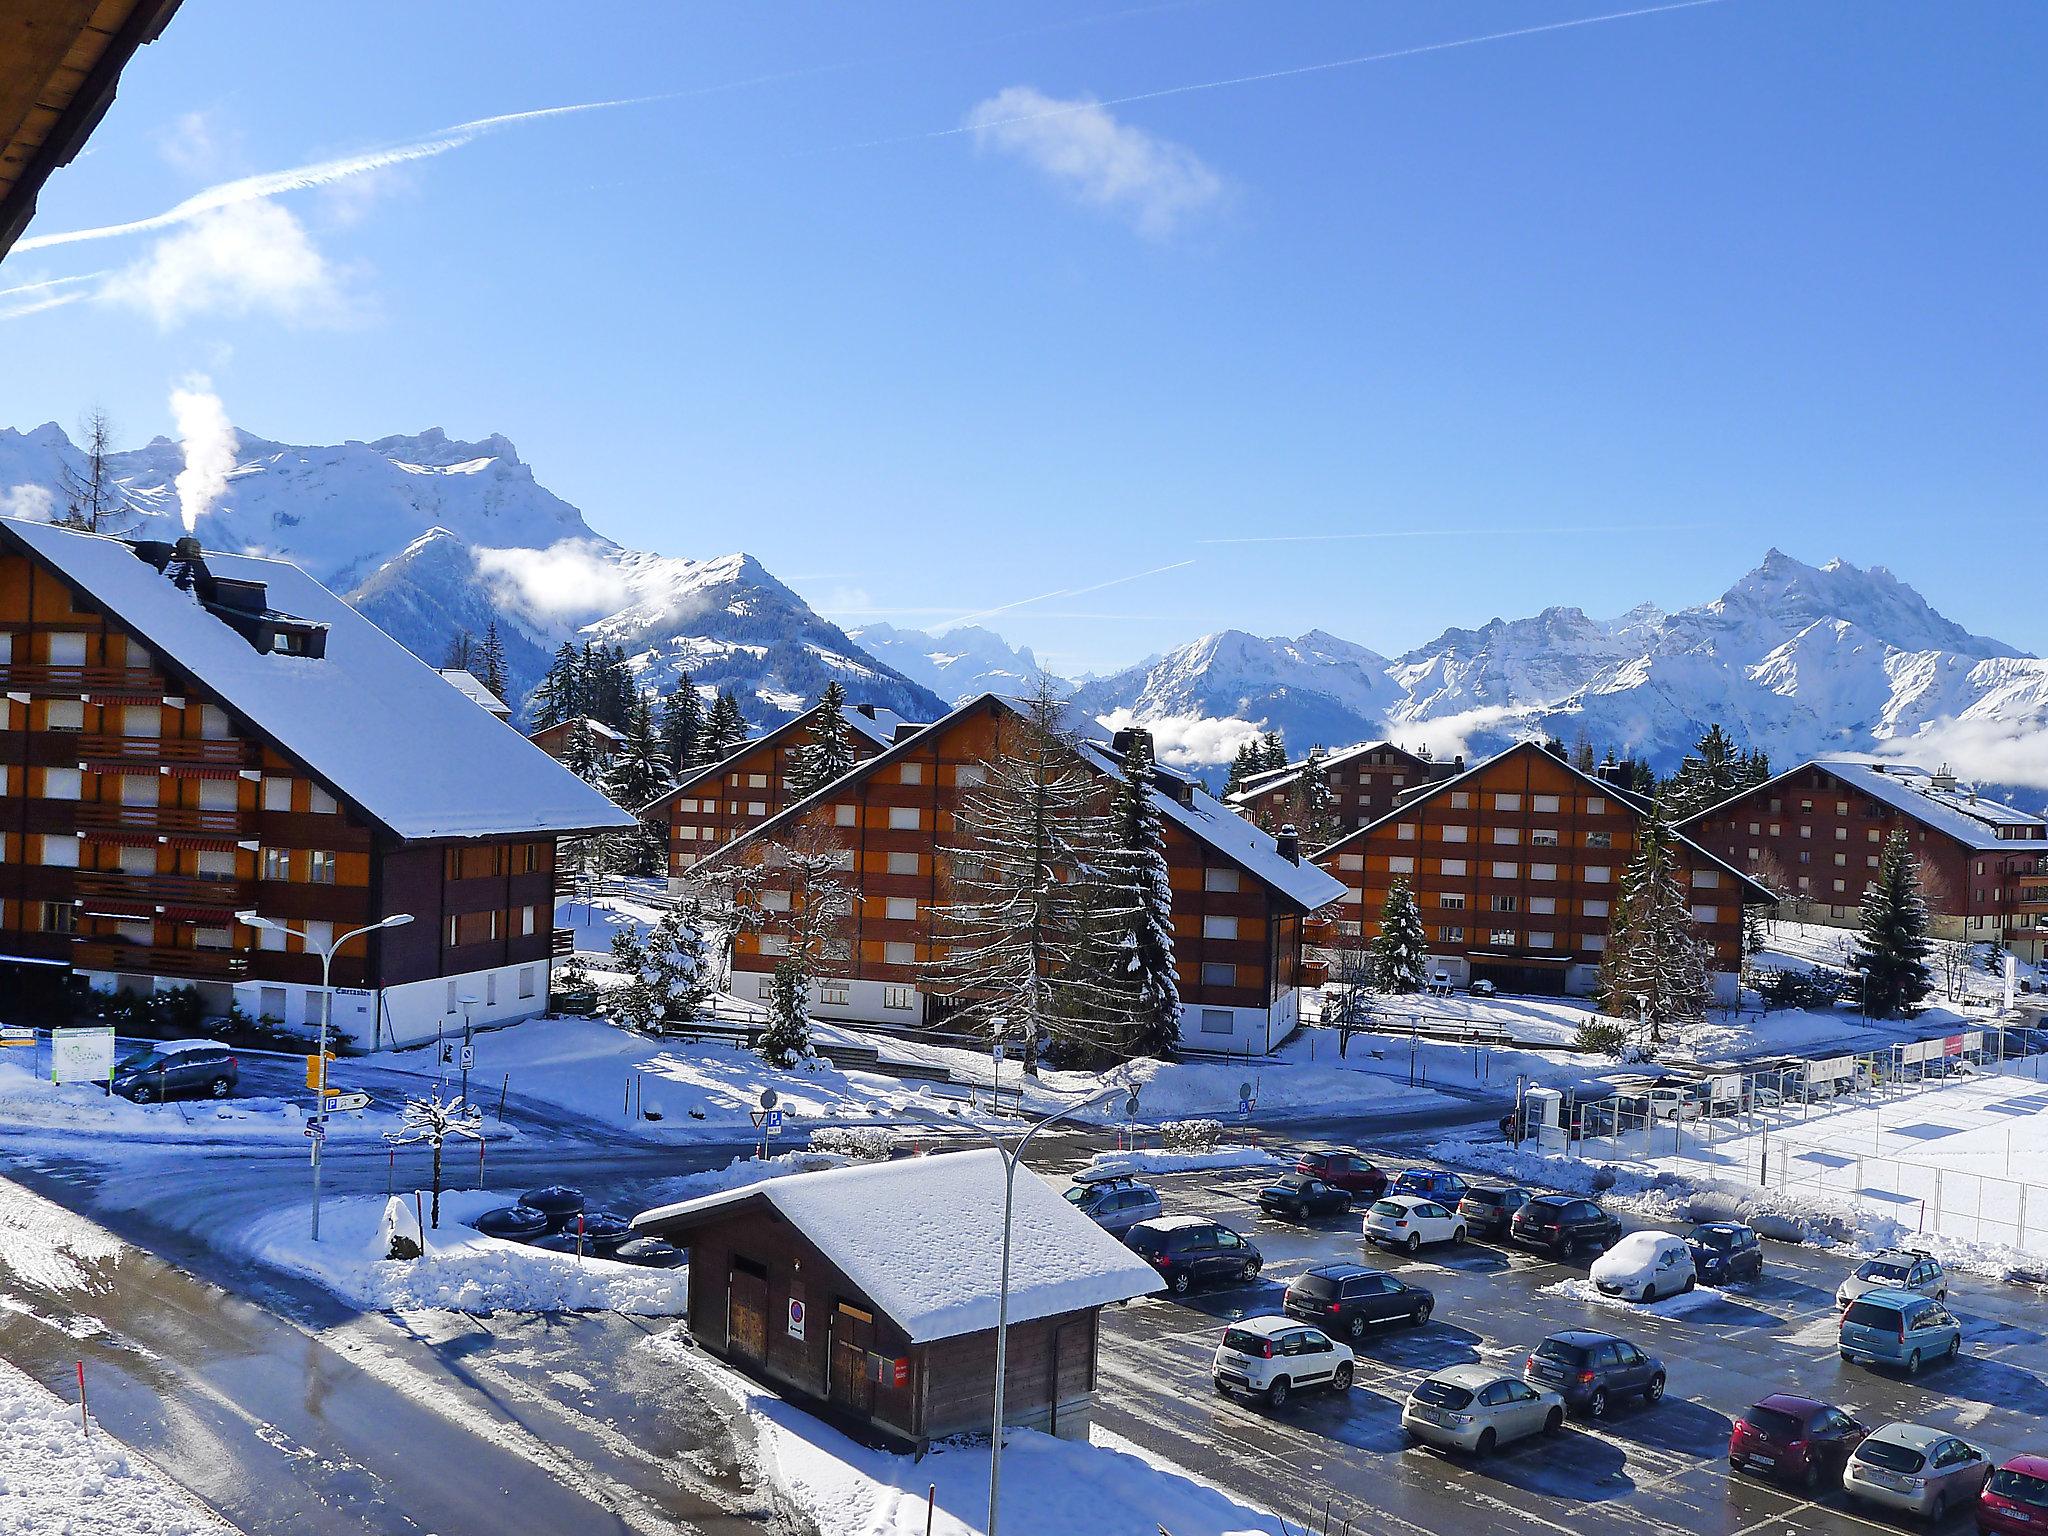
(1896, 1270)
(1477, 1408)
(1916, 1470)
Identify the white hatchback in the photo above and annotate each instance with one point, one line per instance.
(1644, 1266)
(1274, 1357)
(1409, 1221)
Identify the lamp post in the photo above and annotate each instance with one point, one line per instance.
(327, 952)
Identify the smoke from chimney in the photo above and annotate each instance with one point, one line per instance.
(210, 442)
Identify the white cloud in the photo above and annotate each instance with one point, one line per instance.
(573, 580)
(198, 143)
(242, 259)
(1079, 145)
(1988, 751)
(1189, 741)
(1450, 735)
(34, 502)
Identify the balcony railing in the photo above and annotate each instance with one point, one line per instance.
(30, 677)
(165, 749)
(101, 816)
(97, 955)
(222, 893)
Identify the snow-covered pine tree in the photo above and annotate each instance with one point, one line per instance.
(1893, 946)
(666, 978)
(1655, 970)
(559, 696)
(1272, 751)
(1400, 951)
(725, 728)
(786, 1039)
(1016, 935)
(828, 754)
(1243, 764)
(682, 724)
(1316, 807)
(1714, 770)
(583, 753)
(1140, 882)
(639, 770)
(489, 667)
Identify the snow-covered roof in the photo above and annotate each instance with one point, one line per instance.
(1958, 812)
(594, 727)
(1272, 778)
(880, 729)
(377, 725)
(922, 1238)
(465, 682)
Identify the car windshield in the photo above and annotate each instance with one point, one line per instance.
(1442, 1394)
(1712, 1239)
(1389, 1208)
(1870, 1315)
(1319, 1286)
(2020, 1487)
(136, 1061)
(1560, 1351)
(1244, 1341)
(1486, 1196)
(1549, 1209)
(1893, 1458)
(1773, 1424)
(1884, 1269)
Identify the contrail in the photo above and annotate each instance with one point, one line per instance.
(1449, 533)
(248, 189)
(1025, 602)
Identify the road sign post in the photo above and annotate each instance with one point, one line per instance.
(769, 1099)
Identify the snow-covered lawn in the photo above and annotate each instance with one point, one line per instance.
(461, 1270)
(57, 1481)
(1050, 1487)
(1790, 945)
(32, 1103)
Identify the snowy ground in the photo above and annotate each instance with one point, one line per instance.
(1105, 1164)
(1051, 1487)
(57, 1481)
(32, 1103)
(1789, 945)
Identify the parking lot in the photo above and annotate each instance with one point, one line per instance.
(1659, 1468)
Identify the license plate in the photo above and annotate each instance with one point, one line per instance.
(1430, 1415)
(1763, 1461)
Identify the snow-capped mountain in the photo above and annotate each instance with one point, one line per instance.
(428, 535)
(963, 663)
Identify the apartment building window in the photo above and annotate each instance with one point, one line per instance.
(1546, 803)
(1543, 837)
(61, 784)
(320, 868)
(1506, 871)
(217, 794)
(1593, 908)
(1457, 834)
(1218, 1021)
(277, 794)
(273, 939)
(970, 775)
(1598, 874)
(1593, 943)
(1350, 930)
(1400, 864)
(899, 997)
(1502, 938)
(1841, 807)
(1805, 857)
(59, 852)
(59, 917)
(774, 943)
(319, 802)
(844, 815)
(137, 861)
(1755, 830)
(1216, 973)
(903, 818)
(1871, 860)
(910, 773)
(1542, 871)
(1460, 800)
(900, 909)
(757, 781)
(1506, 903)
(1215, 879)
(1450, 935)
(1404, 831)
(64, 715)
(1507, 802)
(757, 807)
(1842, 885)
(1596, 805)
(138, 788)
(526, 981)
(1542, 906)
(142, 720)
(1841, 860)
(1706, 879)
(834, 994)
(1354, 893)
(842, 858)
(686, 834)
(1507, 835)
(318, 936)
(1872, 835)
(528, 921)
(765, 987)
(775, 901)
(1542, 940)
(1452, 901)
(1707, 914)
(1777, 829)
(899, 954)
(1351, 861)
(903, 864)
(1452, 866)
(1599, 839)
(275, 864)
(1841, 834)
(1215, 927)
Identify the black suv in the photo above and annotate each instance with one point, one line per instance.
(1590, 1370)
(1349, 1298)
(1488, 1210)
(1188, 1250)
(175, 1069)
(1563, 1225)
(1724, 1251)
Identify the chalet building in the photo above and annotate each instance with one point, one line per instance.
(1817, 831)
(189, 736)
(554, 739)
(871, 1291)
(1364, 781)
(713, 804)
(1516, 864)
(1239, 895)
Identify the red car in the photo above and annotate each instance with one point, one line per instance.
(2016, 1498)
(1347, 1171)
(1795, 1439)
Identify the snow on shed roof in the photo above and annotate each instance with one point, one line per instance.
(465, 682)
(923, 1238)
(378, 725)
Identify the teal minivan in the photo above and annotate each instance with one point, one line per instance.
(1896, 1327)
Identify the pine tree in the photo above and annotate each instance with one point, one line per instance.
(1145, 963)
(1655, 968)
(1315, 806)
(725, 728)
(639, 772)
(1714, 770)
(666, 979)
(1893, 947)
(828, 755)
(1400, 952)
(682, 725)
(1243, 765)
(558, 697)
(787, 1038)
(583, 753)
(1272, 751)
(489, 667)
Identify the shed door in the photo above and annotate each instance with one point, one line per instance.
(746, 1315)
(853, 1336)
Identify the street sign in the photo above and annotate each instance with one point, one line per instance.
(468, 1057)
(769, 1099)
(82, 1055)
(774, 1123)
(796, 1318)
(317, 1131)
(348, 1100)
(759, 1117)
(316, 1070)
(16, 1034)
(1244, 1108)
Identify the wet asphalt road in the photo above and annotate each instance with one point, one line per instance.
(1656, 1469)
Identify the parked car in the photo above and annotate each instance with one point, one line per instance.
(1300, 1195)
(1431, 1183)
(1674, 1104)
(1591, 1370)
(1350, 1298)
(1409, 1221)
(1347, 1170)
(1478, 1408)
(1644, 1266)
(1276, 1356)
(1192, 1250)
(1725, 1251)
(1916, 1470)
(1795, 1439)
(1563, 1225)
(1899, 1328)
(1481, 988)
(2015, 1500)
(1488, 1210)
(1898, 1270)
(1116, 1204)
(177, 1069)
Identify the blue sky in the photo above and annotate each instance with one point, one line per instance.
(1704, 280)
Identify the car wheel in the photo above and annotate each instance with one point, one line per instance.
(1356, 1327)
(1938, 1511)
(220, 1088)
(1913, 1363)
(1457, 1234)
(1809, 1479)
(1554, 1421)
(1691, 1281)
(1420, 1315)
(1955, 1347)
(1250, 1270)
(1182, 1283)
(1596, 1405)
(1276, 1394)
(1341, 1382)
(1487, 1441)
(1655, 1390)
(1414, 1242)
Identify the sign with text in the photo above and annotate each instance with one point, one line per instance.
(796, 1317)
(82, 1055)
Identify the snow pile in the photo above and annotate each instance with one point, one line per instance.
(461, 1271)
(1669, 1306)
(1108, 1164)
(46, 1246)
(832, 1485)
(56, 1482)
(742, 1171)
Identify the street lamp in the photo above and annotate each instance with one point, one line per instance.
(255, 920)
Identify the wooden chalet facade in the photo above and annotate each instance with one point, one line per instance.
(184, 738)
(1364, 782)
(1816, 832)
(713, 804)
(1516, 865)
(870, 1292)
(1239, 897)
(555, 740)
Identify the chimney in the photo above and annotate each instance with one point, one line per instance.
(241, 604)
(1289, 844)
(866, 709)
(1458, 764)
(1943, 780)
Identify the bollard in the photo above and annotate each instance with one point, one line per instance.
(84, 1424)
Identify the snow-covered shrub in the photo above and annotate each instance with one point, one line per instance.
(862, 1143)
(1191, 1135)
(399, 1232)
(1608, 1036)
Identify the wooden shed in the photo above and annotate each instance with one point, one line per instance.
(872, 1290)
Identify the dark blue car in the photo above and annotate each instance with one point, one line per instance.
(1725, 1250)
